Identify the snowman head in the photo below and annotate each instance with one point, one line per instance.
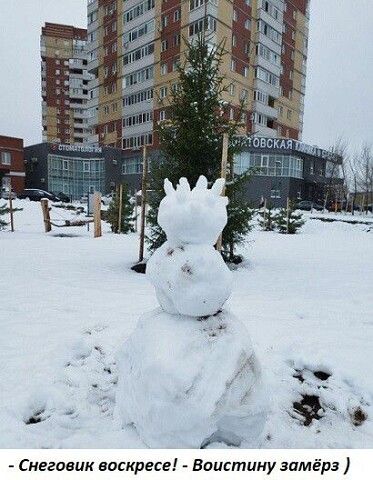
(194, 216)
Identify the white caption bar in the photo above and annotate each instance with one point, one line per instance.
(186, 464)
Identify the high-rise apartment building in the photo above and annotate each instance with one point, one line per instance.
(64, 83)
(134, 47)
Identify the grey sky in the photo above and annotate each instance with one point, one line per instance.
(339, 96)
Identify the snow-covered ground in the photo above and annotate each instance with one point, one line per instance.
(67, 301)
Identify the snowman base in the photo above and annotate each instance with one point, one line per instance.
(187, 382)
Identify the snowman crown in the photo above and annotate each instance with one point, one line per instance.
(183, 190)
(195, 215)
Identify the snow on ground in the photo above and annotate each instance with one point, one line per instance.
(67, 301)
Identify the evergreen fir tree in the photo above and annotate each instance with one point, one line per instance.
(112, 214)
(267, 218)
(288, 221)
(3, 211)
(191, 140)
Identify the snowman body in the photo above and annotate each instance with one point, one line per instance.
(188, 375)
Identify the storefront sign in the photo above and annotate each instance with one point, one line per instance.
(269, 143)
(76, 148)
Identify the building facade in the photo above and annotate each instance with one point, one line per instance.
(281, 168)
(134, 48)
(74, 170)
(12, 165)
(64, 83)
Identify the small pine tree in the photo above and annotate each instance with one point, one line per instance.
(288, 221)
(112, 214)
(3, 211)
(191, 140)
(267, 218)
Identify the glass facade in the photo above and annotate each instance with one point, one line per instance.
(269, 164)
(75, 176)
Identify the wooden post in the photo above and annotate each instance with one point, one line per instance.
(265, 213)
(223, 174)
(120, 208)
(11, 208)
(287, 214)
(46, 217)
(143, 203)
(97, 215)
(136, 214)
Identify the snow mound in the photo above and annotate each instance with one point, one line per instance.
(193, 216)
(185, 383)
(189, 279)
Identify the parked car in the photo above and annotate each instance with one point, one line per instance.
(5, 194)
(35, 195)
(308, 206)
(63, 197)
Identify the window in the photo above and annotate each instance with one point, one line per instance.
(234, 41)
(275, 192)
(233, 65)
(247, 24)
(244, 94)
(176, 15)
(246, 72)
(138, 54)
(86, 167)
(232, 89)
(163, 92)
(164, 45)
(164, 69)
(139, 31)
(138, 10)
(162, 115)
(164, 21)
(235, 15)
(6, 158)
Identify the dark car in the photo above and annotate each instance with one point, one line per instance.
(36, 195)
(63, 197)
(308, 206)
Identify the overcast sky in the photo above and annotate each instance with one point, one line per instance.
(339, 95)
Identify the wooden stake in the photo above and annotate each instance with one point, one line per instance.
(120, 208)
(97, 215)
(11, 208)
(136, 214)
(287, 214)
(143, 203)
(223, 174)
(46, 217)
(265, 213)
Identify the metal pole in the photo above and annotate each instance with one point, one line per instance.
(120, 208)
(11, 207)
(223, 174)
(143, 203)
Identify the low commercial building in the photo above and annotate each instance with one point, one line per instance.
(12, 166)
(286, 168)
(74, 170)
(282, 168)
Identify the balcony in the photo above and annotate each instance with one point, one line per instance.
(265, 110)
(264, 131)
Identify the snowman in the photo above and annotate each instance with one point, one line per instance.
(188, 376)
